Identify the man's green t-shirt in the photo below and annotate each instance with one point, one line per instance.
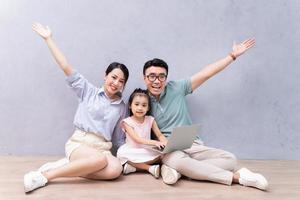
(171, 110)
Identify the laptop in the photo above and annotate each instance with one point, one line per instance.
(181, 138)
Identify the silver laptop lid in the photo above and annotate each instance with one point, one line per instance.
(182, 138)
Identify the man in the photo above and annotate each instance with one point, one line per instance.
(169, 107)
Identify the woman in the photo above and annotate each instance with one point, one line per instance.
(96, 122)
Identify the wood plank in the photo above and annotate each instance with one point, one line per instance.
(283, 176)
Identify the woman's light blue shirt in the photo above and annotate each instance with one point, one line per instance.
(96, 112)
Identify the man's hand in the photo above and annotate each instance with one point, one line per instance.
(239, 49)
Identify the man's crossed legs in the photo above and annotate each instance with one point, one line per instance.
(205, 163)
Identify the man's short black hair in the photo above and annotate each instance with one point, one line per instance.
(155, 62)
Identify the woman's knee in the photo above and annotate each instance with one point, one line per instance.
(114, 169)
(114, 173)
(98, 161)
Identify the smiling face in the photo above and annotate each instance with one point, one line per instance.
(157, 86)
(114, 82)
(139, 106)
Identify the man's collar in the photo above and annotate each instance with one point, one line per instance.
(160, 96)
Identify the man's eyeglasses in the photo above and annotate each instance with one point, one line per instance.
(160, 77)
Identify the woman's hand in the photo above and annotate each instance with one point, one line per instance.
(239, 49)
(44, 32)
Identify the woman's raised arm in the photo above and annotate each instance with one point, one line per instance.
(59, 57)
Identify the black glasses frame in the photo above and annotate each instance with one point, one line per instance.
(160, 77)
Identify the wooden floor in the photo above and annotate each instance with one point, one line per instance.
(283, 176)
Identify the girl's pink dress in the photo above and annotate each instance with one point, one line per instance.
(132, 151)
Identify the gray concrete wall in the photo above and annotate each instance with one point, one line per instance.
(250, 109)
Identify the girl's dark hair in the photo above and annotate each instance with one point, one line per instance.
(139, 92)
(122, 67)
(155, 62)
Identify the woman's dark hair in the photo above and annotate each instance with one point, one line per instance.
(116, 65)
(155, 62)
(139, 92)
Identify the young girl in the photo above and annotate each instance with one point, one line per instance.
(138, 128)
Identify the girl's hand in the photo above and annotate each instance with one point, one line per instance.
(44, 32)
(239, 49)
(164, 142)
(160, 145)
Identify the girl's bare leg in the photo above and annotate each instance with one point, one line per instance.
(145, 166)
